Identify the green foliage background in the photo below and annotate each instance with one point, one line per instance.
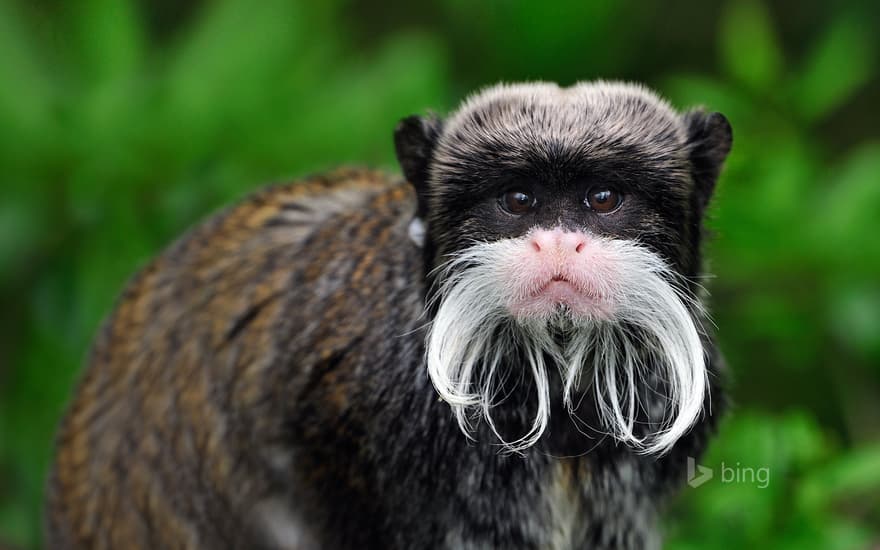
(124, 122)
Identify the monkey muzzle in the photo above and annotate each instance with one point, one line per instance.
(621, 312)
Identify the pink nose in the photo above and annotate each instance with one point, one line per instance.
(544, 240)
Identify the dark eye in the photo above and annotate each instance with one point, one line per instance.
(518, 202)
(603, 199)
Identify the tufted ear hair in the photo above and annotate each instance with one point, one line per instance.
(709, 139)
(414, 141)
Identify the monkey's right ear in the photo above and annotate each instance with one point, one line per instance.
(414, 141)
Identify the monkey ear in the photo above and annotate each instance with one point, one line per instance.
(414, 141)
(709, 139)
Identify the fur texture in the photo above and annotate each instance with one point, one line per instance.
(264, 383)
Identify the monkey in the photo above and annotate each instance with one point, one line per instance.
(507, 347)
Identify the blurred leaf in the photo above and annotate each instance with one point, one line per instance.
(689, 90)
(749, 47)
(18, 232)
(109, 39)
(25, 91)
(735, 509)
(516, 37)
(852, 476)
(850, 200)
(840, 64)
(854, 318)
(405, 75)
(16, 525)
(237, 51)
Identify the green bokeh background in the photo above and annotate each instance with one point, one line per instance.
(124, 122)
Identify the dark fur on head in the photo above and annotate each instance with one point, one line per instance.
(566, 139)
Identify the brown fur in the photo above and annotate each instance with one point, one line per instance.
(182, 380)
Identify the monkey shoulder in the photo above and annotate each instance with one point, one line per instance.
(249, 255)
(208, 310)
(192, 363)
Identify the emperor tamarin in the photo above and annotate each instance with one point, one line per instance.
(508, 348)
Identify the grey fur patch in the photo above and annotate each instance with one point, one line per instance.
(416, 231)
(515, 121)
(282, 527)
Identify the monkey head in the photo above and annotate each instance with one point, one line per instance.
(562, 230)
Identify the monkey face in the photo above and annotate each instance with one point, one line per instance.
(566, 223)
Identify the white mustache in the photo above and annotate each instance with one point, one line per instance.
(650, 328)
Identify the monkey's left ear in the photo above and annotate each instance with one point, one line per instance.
(414, 140)
(710, 139)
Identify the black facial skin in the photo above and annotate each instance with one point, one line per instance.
(664, 195)
(560, 200)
